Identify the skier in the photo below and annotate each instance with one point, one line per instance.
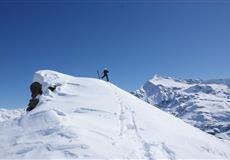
(36, 90)
(105, 74)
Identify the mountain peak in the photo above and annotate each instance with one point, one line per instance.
(167, 81)
(90, 118)
(159, 77)
(204, 104)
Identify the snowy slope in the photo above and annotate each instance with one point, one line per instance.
(6, 114)
(204, 104)
(89, 118)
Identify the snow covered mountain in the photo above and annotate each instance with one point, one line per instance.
(204, 104)
(90, 118)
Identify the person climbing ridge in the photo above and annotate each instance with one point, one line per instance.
(36, 90)
(105, 74)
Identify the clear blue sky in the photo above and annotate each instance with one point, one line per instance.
(135, 40)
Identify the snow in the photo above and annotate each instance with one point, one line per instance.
(10, 114)
(90, 118)
(169, 82)
(204, 104)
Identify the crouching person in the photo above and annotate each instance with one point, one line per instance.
(36, 90)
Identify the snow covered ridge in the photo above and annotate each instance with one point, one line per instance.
(204, 104)
(90, 118)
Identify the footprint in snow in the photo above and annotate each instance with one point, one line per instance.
(54, 147)
(71, 155)
(88, 110)
(60, 113)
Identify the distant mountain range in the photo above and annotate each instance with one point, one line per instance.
(203, 103)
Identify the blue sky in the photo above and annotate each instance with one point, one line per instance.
(135, 40)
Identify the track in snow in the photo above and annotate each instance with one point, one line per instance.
(147, 149)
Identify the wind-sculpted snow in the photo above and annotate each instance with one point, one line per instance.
(204, 104)
(90, 118)
(6, 114)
